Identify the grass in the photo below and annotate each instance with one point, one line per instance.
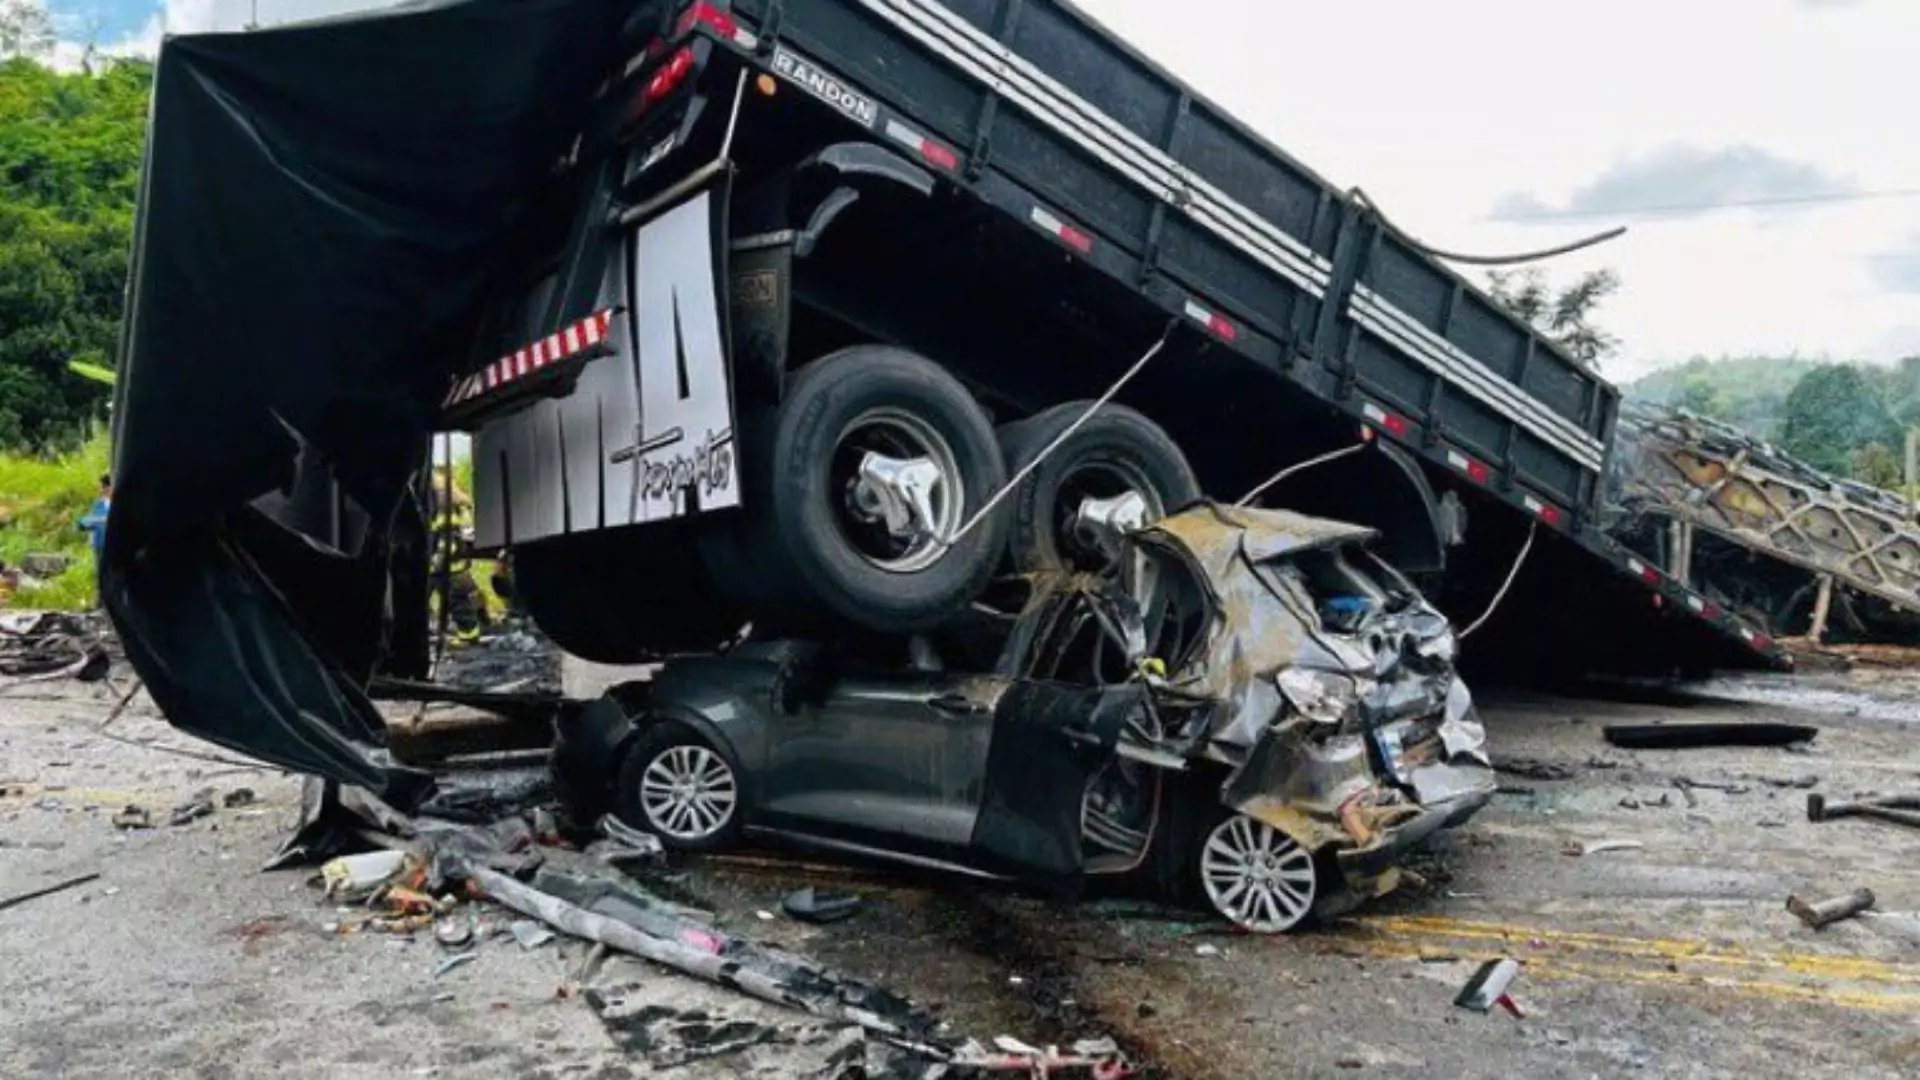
(41, 499)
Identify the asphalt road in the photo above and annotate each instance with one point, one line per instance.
(1675, 958)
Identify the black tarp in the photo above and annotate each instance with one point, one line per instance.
(323, 211)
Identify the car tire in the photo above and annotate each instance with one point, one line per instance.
(662, 777)
(1253, 875)
(624, 596)
(1116, 450)
(807, 557)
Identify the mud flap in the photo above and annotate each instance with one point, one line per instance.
(646, 432)
(1048, 741)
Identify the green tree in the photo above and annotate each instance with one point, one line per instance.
(1703, 397)
(1564, 316)
(1833, 414)
(70, 147)
(25, 29)
(1878, 465)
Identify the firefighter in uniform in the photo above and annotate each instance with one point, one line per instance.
(454, 589)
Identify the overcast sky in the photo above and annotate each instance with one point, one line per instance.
(1500, 125)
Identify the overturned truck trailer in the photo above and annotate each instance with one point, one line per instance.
(792, 313)
(1801, 552)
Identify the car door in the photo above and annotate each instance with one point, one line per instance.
(889, 759)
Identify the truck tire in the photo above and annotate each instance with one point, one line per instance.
(1116, 451)
(821, 550)
(624, 596)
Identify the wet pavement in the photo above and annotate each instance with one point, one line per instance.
(1675, 957)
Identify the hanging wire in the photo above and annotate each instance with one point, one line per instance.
(1059, 441)
(1359, 196)
(1292, 470)
(1533, 530)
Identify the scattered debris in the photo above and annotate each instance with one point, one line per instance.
(35, 894)
(360, 874)
(54, 645)
(1898, 809)
(811, 905)
(454, 931)
(1206, 950)
(530, 934)
(623, 845)
(1629, 803)
(1791, 783)
(238, 797)
(1601, 847)
(1686, 791)
(1820, 913)
(195, 808)
(1715, 785)
(133, 817)
(1532, 769)
(1695, 735)
(457, 960)
(1488, 987)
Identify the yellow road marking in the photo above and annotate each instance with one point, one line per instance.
(1816, 964)
(1780, 974)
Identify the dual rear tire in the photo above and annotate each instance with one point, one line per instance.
(863, 492)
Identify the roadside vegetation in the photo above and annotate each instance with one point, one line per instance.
(42, 499)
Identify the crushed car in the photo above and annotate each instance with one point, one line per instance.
(1247, 710)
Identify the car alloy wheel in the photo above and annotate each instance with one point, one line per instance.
(1256, 876)
(688, 793)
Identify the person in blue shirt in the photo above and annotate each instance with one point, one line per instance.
(96, 520)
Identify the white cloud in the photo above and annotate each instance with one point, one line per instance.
(1441, 110)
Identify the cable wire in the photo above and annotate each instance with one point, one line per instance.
(1291, 470)
(1829, 198)
(1359, 195)
(1533, 529)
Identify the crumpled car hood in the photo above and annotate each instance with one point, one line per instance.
(1260, 629)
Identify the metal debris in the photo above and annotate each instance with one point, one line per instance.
(1488, 986)
(530, 934)
(35, 894)
(1693, 736)
(811, 905)
(454, 931)
(133, 817)
(457, 960)
(195, 808)
(1601, 847)
(1820, 913)
(1898, 809)
(238, 797)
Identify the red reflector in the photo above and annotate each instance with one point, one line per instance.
(1393, 422)
(1544, 511)
(1076, 239)
(939, 156)
(670, 76)
(712, 16)
(1216, 324)
(1710, 612)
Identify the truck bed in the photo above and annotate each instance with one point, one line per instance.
(1038, 110)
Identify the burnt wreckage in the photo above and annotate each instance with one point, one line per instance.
(1253, 711)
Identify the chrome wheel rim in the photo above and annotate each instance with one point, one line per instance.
(688, 793)
(1097, 480)
(1256, 876)
(900, 438)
